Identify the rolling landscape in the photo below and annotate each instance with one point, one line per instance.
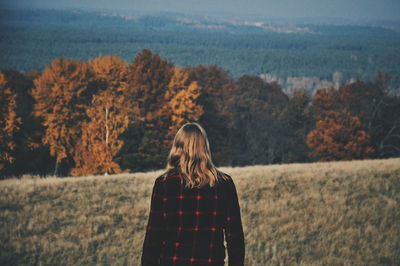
(300, 101)
(336, 213)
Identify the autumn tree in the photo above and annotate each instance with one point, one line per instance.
(99, 143)
(9, 123)
(108, 116)
(325, 102)
(339, 134)
(148, 78)
(182, 103)
(62, 93)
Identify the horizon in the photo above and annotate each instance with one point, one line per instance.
(356, 10)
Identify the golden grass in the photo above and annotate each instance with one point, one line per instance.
(341, 213)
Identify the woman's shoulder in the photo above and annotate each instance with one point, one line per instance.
(224, 178)
(173, 173)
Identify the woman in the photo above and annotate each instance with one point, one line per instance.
(193, 206)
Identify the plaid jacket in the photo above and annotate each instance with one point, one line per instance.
(187, 226)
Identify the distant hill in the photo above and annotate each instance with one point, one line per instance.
(338, 213)
(30, 39)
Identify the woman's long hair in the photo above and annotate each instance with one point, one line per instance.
(190, 155)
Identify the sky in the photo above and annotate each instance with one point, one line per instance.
(349, 9)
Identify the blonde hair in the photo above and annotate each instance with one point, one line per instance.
(190, 155)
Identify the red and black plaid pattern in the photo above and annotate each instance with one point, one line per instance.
(188, 226)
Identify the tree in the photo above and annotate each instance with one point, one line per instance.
(259, 129)
(108, 116)
(377, 108)
(148, 78)
(382, 120)
(9, 123)
(325, 102)
(339, 137)
(298, 121)
(217, 98)
(182, 98)
(29, 153)
(100, 143)
(340, 134)
(62, 93)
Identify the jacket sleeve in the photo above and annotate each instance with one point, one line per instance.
(233, 228)
(153, 239)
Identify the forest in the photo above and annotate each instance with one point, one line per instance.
(32, 38)
(105, 116)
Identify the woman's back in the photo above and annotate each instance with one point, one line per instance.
(187, 225)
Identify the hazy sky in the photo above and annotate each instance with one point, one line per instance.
(358, 9)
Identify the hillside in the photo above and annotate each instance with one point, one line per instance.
(339, 213)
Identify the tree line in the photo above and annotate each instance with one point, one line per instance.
(106, 116)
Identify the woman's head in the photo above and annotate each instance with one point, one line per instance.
(191, 155)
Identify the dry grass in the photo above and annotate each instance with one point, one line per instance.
(342, 213)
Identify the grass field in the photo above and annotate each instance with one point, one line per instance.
(341, 213)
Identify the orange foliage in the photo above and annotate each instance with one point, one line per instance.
(111, 70)
(9, 122)
(108, 117)
(148, 78)
(181, 96)
(339, 137)
(99, 143)
(61, 95)
(324, 103)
